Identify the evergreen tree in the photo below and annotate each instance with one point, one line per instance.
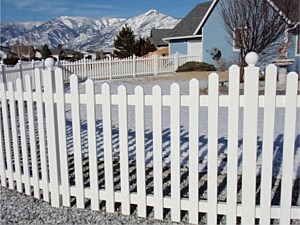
(46, 52)
(125, 43)
(145, 46)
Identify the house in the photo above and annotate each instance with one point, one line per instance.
(202, 32)
(186, 36)
(157, 36)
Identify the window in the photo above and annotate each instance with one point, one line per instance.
(239, 36)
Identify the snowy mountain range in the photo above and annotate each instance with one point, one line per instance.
(81, 33)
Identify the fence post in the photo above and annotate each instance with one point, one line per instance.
(156, 64)
(250, 138)
(3, 72)
(52, 132)
(176, 61)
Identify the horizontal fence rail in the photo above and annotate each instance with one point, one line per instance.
(65, 144)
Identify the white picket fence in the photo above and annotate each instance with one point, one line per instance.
(114, 68)
(11, 74)
(106, 69)
(35, 152)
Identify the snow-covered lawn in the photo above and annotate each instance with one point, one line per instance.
(164, 82)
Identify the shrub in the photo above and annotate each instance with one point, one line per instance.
(10, 61)
(196, 66)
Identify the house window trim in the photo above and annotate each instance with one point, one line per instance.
(233, 41)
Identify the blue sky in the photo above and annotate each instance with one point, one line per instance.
(44, 10)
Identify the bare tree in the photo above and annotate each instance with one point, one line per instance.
(256, 25)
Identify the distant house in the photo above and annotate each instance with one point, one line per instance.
(186, 37)
(66, 54)
(202, 32)
(157, 36)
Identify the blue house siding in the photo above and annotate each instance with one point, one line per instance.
(293, 55)
(216, 36)
(179, 46)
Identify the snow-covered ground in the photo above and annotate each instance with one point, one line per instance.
(165, 82)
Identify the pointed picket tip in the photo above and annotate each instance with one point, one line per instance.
(175, 85)
(2, 86)
(234, 67)
(293, 74)
(105, 88)
(157, 89)
(122, 89)
(73, 77)
(213, 76)
(10, 86)
(271, 66)
(37, 70)
(58, 71)
(138, 89)
(194, 82)
(89, 82)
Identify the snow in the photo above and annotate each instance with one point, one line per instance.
(165, 83)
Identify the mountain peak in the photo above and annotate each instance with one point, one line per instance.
(152, 11)
(82, 33)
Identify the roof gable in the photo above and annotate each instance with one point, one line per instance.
(189, 24)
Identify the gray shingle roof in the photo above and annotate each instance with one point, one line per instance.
(157, 35)
(188, 25)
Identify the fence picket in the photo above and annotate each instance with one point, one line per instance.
(2, 144)
(23, 133)
(175, 152)
(93, 159)
(7, 136)
(249, 144)
(268, 144)
(107, 139)
(123, 134)
(62, 137)
(140, 151)
(41, 134)
(32, 138)
(288, 147)
(212, 152)
(14, 132)
(194, 151)
(157, 151)
(76, 127)
(233, 129)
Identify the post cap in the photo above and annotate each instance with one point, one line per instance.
(251, 58)
(49, 63)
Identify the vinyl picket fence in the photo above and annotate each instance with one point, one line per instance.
(37, 159)
(114, 68)
(106, 69)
